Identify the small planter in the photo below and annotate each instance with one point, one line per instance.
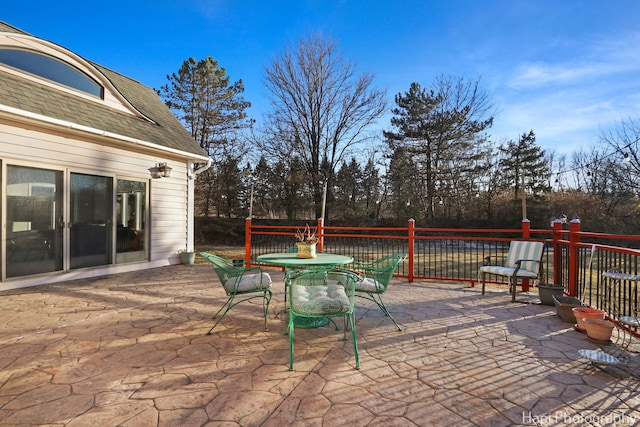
(307, 250)
(565, 306)
(599, 329)
(546, 293)
(583, 313)
(187, 258)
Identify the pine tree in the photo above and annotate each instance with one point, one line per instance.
(213, 111)
(441, 130)
(524, 158)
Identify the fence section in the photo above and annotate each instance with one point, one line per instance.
(433, 253)
(572, 258)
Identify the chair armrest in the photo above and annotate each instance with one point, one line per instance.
(362, 265)
(487, 260)
(254, 268)
(518, 262)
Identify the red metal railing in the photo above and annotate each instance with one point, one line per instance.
(433, 253)
(573, 258)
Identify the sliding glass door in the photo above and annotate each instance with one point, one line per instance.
(34, 221)
(90, 216)
(57, 220)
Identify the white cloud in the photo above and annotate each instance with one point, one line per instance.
(600, 61)
(569, 103)
(534, 75)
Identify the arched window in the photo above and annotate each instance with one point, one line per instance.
(50, 69)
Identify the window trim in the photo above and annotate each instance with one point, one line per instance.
(74, 71)
(112, 98)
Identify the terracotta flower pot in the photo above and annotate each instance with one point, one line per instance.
(599, 329)
(582, 313)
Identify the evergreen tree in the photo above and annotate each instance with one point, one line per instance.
(348, 190)
(405, 185)
(441, 129)
(371, 189)
(208, 105)
(524, 158)
(213, 111)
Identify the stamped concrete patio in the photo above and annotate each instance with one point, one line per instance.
(131, 350)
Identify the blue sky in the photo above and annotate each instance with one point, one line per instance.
(569, 70)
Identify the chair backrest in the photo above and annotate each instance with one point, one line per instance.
(322, 292)
(528, 250)
(225, 269)
(382, 269)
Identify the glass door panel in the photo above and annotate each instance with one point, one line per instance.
(34, 221)
(131, 202)
(90, 240)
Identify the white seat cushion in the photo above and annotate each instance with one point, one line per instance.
(320, 300)
(506, 271)
(630, 320)
(248, 282)
(369, 285)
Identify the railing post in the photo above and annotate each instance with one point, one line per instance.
(247, 239)
(526, 228)
(574, 255)
(526, 233)
(557, 252)
(320, 233)
(411, 231)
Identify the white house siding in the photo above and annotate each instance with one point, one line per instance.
(168, 223)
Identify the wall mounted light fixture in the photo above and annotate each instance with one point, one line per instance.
(164, 170)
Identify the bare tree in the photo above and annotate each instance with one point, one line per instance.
(625, 142)
(320, 109)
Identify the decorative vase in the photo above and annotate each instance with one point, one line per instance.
(582, 313)
(546, 293)
(187, 258)
(599, 329)
(307, 250)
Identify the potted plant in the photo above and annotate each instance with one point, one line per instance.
(583, 313)
(599, 329)
(565, 305)
(547, 291)
(187, 257)
(307, 241)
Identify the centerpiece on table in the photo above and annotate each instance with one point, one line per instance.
(307, 241)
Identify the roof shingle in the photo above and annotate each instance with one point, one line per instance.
(166, 131)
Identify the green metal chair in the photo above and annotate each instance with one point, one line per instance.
(288, 272)
(240, 284)
(375, 279)
(323, 293)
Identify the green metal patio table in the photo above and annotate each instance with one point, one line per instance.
(291, 260)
